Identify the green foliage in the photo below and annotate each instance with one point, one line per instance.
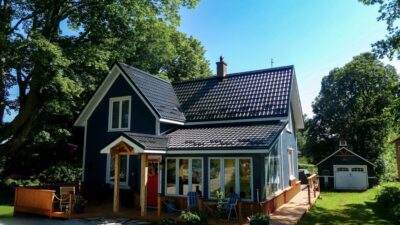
(354, 104)
(56, 70)
(203, 218)
(166, 222)
(259, 218)
(21, 182)
(190, 218)
(390, 13)
(220, 202)
(388, 198)
(61, 173)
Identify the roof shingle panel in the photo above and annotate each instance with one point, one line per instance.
(147, 141)
(158, 92)
(235, 136)
(261, 93)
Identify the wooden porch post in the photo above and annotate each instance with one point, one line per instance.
(143, 184)
(117, 158)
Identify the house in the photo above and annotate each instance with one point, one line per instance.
(229, 132)
(346, 170)
(396, 142)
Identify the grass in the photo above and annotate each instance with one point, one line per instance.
(6, 204)
(345, 208)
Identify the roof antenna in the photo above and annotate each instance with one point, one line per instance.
(272, 62)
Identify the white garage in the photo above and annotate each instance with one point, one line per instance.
(346, 170)
(351, 177)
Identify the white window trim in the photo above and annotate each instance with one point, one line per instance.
(189, 175)
(123, 185)
(237, 178)
(110, 111)
(291, 162)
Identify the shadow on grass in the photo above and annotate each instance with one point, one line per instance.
(348, 214)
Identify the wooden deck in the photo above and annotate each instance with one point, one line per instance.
(292, 212)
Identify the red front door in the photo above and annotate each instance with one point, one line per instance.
(152, 183)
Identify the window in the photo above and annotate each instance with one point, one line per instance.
(124, 168)
(230, 175)
(357, 169)
(184, 175)
(273, 174)
(342, 169)
(291, 162)
(120, 113)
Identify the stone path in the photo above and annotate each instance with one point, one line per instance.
(88, 221)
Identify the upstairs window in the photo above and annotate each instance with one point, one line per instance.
(119, 113)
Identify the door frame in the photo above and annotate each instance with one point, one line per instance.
(365, 167)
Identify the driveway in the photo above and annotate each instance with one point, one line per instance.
(89, 221)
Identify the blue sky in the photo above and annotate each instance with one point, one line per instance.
(315, 36)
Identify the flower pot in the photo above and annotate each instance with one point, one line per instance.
(79, 208)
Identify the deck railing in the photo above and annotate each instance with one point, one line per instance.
(312, 186)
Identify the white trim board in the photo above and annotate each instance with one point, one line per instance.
(344, 148)
(137, 149)
(214, 151)
(284, 118)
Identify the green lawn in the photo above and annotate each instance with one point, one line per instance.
(6, 204)
(345, 208)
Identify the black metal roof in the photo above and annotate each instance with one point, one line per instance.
(225, 136)
(260, 93)
(157, 91)
(147, 141)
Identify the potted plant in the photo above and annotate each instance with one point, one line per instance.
(190, 218)
(79, 204)
(259, 219)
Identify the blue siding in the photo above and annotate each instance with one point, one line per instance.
(142, 121)
(288, 140)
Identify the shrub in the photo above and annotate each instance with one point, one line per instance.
(388, 197)
(259, 218)
(20, 182)
(62, 172)
(190, 218)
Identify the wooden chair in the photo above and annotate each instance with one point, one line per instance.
(66, 199)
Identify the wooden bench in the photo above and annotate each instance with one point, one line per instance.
(36, 201)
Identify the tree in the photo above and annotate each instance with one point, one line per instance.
(389, 12)
(354, 104)
(55, 53)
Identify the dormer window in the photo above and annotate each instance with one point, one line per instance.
(119, 114)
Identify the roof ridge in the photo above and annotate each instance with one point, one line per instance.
(230, 75)
(144, 72)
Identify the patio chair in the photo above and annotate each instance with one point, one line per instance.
(231, 205)
(66, 199)
(192, 200)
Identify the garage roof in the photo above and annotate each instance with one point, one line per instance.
(346, 149)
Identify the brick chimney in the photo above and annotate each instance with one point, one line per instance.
(221, 67)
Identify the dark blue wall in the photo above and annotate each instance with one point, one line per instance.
(97, 137)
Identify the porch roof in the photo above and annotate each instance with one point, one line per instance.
(147, 141)
(234, 136)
